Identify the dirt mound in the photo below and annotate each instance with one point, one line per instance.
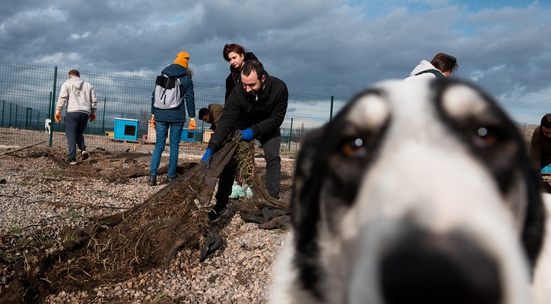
(114, 248)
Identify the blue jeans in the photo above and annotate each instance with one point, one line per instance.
(162, 128)
(75, 124)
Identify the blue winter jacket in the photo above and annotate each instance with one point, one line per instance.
(177, 114)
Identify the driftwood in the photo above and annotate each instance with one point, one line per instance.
(22, 148)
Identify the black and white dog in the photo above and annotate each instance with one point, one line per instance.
(417, 192)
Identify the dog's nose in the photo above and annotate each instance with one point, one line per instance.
(424, 267)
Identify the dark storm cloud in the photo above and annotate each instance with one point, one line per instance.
(318, 47)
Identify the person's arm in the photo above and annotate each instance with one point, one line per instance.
(93, 100)
(230, 84)
(153, 102)
(225, 125)
(63, 97)
(190, 98)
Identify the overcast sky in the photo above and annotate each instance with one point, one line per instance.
(320, 47)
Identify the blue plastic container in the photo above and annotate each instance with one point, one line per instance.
(126, 129)
(188, 135)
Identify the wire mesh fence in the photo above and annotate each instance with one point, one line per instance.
(28, 94)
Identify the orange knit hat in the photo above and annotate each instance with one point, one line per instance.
(182, 59)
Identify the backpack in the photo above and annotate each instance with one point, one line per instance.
(167, 92)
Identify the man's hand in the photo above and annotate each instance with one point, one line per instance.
(152, 121)
(207, 157)
(57, 117)
(246, 135)
(92, 117)
(192, 125)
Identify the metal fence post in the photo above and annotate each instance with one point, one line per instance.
(290, 134)
(16, 110)
(52, 105)
(49, 107)
(28, 118)
(103, 118)
(331, 109)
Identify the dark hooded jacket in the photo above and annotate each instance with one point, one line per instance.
(242, 110)
(177, 114)
(540, 148)
(235, 75)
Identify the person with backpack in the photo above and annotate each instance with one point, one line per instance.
(81, 105)
(441, 66)
(172, 96)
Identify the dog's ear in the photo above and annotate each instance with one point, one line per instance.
(305, 197)
(533, 232)
(305, 208)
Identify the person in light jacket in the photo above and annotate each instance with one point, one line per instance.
(441, 66)
(81, 101)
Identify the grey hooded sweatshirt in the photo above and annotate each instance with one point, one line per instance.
(79, 96)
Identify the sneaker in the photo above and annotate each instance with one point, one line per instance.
(216, 213)
(152, 180)
(170, 179)
(72, 162)
(85, 155)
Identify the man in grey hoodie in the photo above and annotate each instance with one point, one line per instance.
(81, 106)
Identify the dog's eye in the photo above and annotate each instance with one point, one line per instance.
(354, 148)
(485, 137)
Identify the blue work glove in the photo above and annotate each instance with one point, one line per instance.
(247, 135)
(207, 157)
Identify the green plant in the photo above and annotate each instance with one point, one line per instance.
(70, 214)
(71, 237)
(162, 295)
(53, 172)
(14, 229)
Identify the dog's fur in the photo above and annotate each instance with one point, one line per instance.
(417, 192)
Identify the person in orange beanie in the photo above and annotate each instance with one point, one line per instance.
(172, 119)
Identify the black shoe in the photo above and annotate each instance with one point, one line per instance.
(216, 213)
(170, 179)
(152, 180)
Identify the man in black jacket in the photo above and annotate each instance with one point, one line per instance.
(257, 107)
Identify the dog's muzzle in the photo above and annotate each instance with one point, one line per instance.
(423, 267)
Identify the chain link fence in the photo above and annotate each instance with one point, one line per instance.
(28, 94)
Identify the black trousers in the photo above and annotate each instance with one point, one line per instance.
(271, 143)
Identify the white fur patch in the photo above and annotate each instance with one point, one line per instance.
(463, 101)
(371, 111)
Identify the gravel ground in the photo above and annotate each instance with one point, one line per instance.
(36, 193)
